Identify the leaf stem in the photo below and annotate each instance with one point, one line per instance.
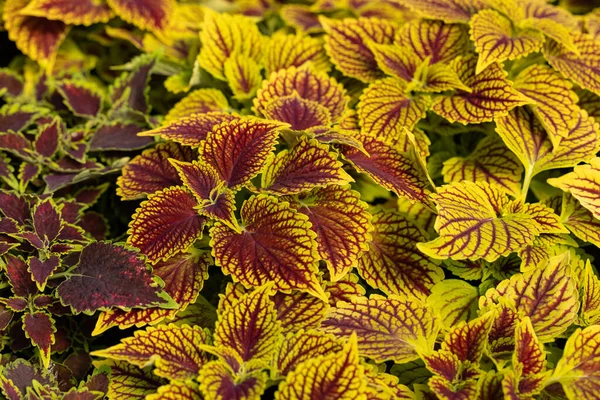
(526, 184)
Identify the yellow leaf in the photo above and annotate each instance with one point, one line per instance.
(454, 300)
(334, 376)
(590, 301)
(583, 184)
(449, 11)
(243, 75)
(579, 220)
(472, 224)
(284, 51)
(197, 102)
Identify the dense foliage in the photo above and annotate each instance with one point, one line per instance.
(332, 199)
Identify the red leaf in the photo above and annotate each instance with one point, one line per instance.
(166, 223)
(11, 82)
(82, 98)
(152, 15)
(300, 113)
(15, 207)
(39, 327)
(18, 277)
(118, 136)
(109, 276)
(136, 81)
(46, 221)
(16, 143)
(41, 270)
(46, 143)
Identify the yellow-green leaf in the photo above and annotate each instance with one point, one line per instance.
(583, 184)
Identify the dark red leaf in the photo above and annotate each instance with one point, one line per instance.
(18, 276)
(11, 82)
(16, 304)
(15, 207)
(16, 118)
(119, 136)
(22, 374)
(5, 317)
(109, 276)
(46, 221)
(136, 81)
(90, 195)
(94, 224)
(43, 301)
(47, 139)
(15, 143)
(28, 172)
(81, 98)
(8, 226)
(41, 270)
(39, 327)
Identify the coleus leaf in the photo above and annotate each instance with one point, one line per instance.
(243, 75)
(39, 328)
(307, 165)
(16, 143)
(284, 51)
(342, 224)
(435, 78)
(467, 340)
(15, 207)
(152, 15)
(199, 101)
(307, 84)
(392, 262)
(381, 385)
(176, 350)
(347, 41)
(130, 382)
(529, 356)
(389, 168)
(491, 94)
(582, 67)
(547, 295)
(42, 269)
(400, 62)
(239, 149)
(337, 375)
(579, 220)
(47, 140)
(497, 40)
(301, 114)
(302, 17)
(69, 12)
(116, 276)
(250, 327)
(39, 38)
(299, 310)
(300, 346)
(175, 273)
(11, 82)
(177, 390)
(166, 224)
(276, 244)
(344, 289)
(525, 136)
(192, 130)
(119, 137)
(151, 171)
(555, 102)
(17, 375)
(492, 162)
(583, 184)
(129, 91)
(18, 277)
(207, 186)
(577, 370)
(449, 11)
(396, 328)
(436, 39)
(83, 98)
(590, 300)
(47, 222)
(27, 173)
(218, 381)
(385, 110)
(16, 117)
(224, 34)
(454, 300)
(472, 224)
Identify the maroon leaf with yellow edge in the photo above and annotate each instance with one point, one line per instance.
(547, 295)
(389, 168)
(199, 101)
(449, 11)
(204, 182)
(82, 97)
(299, 310)
(342, 224)
(491, 94)
(472, 224)
(250, 327)
(443, 363)
(47, 140)
(11, 82)
(175, 350)
(583, 184)
(582, 67)
(243, 75)
(301, 114)
(555, 102)
(307, 165)
(130, 382)
(392, 263)
(39, 328)
(276, 244)
(336, 375)
(47, 222)
(192, 130)
(492, 162)
(69, 11)
(577, 370)
(300, 346)
(497, 40)
(118, 136)
(116, 276)
(129, 91)
(284, 51)
(166, 224)
(175, 273)
(18, 277)
(219, 382)
(177, 390)
(39, 38)
(223, 35)
(151, 15)
(385, 110)
(151, 171)
(467, 340)
(347, 41)
(396, 328)
(307, 84)
(42, 269)
(239, 149)
(436, 39)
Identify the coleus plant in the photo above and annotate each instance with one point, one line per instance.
(401, 195)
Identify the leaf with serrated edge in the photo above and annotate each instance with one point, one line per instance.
(219, 382)
(301, 114)
(243, 75)
(454, 300)
(199, 101)
(176, 390)
(276, 244)
(467, 339)
(392, 262)
(583, 184)
(39, 328)
(472, 224)
(299, 310)
(396, 328)
(449, 11)
(151, 15)
(174, 350)
(491, 94)
(590, 301)
(284, 51)
(579, 220)
(128, 382)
